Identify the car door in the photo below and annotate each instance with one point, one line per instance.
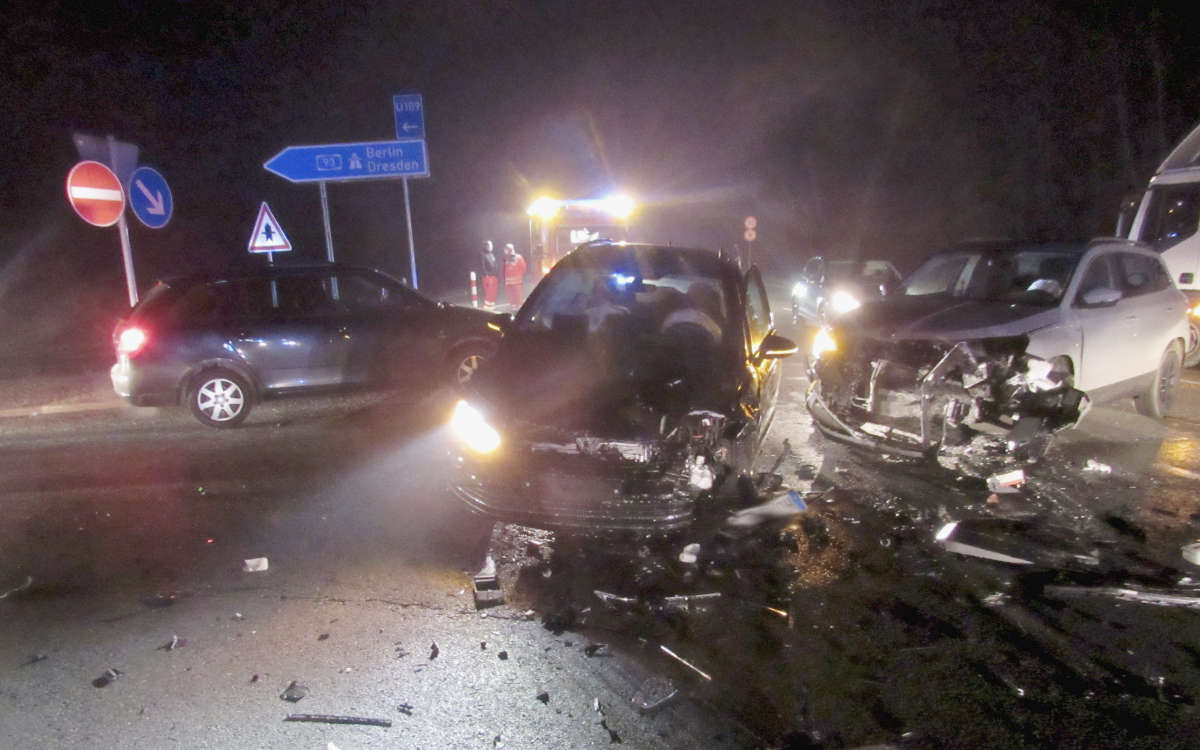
(766, 373)
(1153, 305)
(287, 336)
(394, 334)
(1107, 354)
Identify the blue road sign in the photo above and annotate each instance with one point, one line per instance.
(410, 116)
(337, 162)
(149, 197)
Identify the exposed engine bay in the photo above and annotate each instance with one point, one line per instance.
(922, 398)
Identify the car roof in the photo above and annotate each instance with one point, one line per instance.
(237, 273)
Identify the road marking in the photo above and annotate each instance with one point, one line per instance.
(1190, 382)
(1176, 471)
(33, 411)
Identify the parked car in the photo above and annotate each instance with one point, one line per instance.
(829, 287)
(635, 382)
(220, 343)
(1007, 342)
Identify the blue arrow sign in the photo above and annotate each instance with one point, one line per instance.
(410, 116)
(336, 162)
(149, 197)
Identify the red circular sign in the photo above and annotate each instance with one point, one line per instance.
(95, 193)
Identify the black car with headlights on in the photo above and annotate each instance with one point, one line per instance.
(219, 343)
(829, 287)
(633, 385)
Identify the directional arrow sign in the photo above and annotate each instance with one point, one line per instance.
(150, 197)
(268, 236)
(339, 162)
(410, 116)
(95, 193)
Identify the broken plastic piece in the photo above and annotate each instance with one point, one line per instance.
(654, 693)
(294, 692)
(1191, 553)
(22, 587)
(109, 675)
(172, 644)
(613, 600)
(331, 719)
(254, 565)
(783, 505)
(485, 586)
(1096, 466)
(503, 656)
(685, 662)
(689, 602)
(544, 697)
(1009, 481)
(433, 651)
(690, 554)
(702, 475)
(596, 649)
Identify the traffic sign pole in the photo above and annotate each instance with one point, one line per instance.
(412, 253)
(123, 231)
(325, 216)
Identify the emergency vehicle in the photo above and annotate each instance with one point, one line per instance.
(556, 227)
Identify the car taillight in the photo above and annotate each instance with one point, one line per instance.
(131, 341)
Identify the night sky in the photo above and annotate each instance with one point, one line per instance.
(846, 128)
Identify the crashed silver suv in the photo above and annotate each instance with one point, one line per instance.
(633, 387)
(1000, 344)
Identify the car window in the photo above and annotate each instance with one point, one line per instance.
(758, 310)
(1141, 274)
(358, 291)
(941, 274)
(1097, 275)
(1172, 216)
(224, 300)
(304, 296)
(812, 270)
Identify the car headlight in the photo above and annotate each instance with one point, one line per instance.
(799, 290)
(470, 427)
(1195, 310)
(843, 302)
(823, 343)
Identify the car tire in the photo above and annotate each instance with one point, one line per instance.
(465, 360)
(219, 398)
(1191, 356)
(1155, 401)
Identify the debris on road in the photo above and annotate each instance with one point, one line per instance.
(109, 675)
(1191, 553)
(323, 637)
(1007, 482)
(22, 587)
(331, 719)
(783, 505)
(158, 600)
(433, 651)
(485, 586)
(35, 659)
(255, 565)
(690, 554)
(613, 600)
(294, 692)
(172, 644)
(544, 697)
(685, 662)
(238, 616)
(654, 693)
(613, 737)
(1095, 466)
(596, 649)
(689, 602)
(503, 656)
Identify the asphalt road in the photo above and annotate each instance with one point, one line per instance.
(850, 628)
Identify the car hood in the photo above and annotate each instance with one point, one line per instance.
(572, 387)
(939, 317)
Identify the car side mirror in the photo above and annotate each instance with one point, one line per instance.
(1102, 296)
(775, 346)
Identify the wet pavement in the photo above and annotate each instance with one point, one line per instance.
(840, 625)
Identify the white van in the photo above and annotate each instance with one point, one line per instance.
(1167, 219)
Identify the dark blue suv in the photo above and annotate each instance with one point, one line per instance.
(220, 343)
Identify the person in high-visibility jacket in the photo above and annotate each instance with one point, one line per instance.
(514, 275)
(490, 270)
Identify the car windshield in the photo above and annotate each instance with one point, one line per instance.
(646, 290)
(1036, 275)
(853, 270)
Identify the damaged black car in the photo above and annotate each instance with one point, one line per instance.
(991, 347)
(634, 384)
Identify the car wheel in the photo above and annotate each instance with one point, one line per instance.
(1191, 357)
(219, 398)
(1155, 401)
(465, 360)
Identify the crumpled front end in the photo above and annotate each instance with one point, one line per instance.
(919, 398)
(557, 479)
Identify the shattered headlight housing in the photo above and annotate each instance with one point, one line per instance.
(843, 301)
(823, 343)
(470, 427)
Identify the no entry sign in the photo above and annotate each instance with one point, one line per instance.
(95, 193)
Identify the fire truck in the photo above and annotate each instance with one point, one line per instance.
(558, 226)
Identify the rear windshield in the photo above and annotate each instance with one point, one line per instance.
(156, 302)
